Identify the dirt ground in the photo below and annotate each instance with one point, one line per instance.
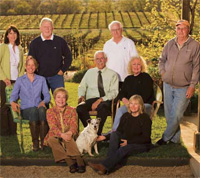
(125, 172)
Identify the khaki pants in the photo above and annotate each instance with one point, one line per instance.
(67, 151)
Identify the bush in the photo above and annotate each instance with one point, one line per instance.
(78, 76)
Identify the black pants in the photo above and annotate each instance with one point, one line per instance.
(8, 127)
(103, 110)
(117, 154)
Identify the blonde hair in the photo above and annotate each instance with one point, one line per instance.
(139, 99)
(61, 89)
(142, 61)
(33, 59)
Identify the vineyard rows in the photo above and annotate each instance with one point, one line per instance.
(83, 43)
(78, 21)
(85, 33)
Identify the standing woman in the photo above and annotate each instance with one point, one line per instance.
(11, 67)
(29, 88)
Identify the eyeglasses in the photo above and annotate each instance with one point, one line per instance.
(116, 30)
(100, 59)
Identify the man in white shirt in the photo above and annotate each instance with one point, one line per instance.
(91, 96)
(119, 51)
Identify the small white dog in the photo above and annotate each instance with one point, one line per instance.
(87, 138)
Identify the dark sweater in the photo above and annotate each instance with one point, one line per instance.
(52, 55)
(141, 85)
(136, 130)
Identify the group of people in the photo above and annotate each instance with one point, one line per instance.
(119, 73)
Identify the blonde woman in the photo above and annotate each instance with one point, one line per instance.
(29, 88)
(62, 120)
(138, 82)
(133, 135)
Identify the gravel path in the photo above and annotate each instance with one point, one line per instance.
(125, 172)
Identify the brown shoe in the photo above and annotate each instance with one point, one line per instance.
(99, 168)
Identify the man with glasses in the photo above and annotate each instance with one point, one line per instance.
(119, 51)
(96, 91)
(179, 68)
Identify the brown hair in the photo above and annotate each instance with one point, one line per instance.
(142, 61)
(61, 89)
(139, 99)
(14, 29)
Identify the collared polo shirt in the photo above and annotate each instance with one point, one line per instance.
(119, 55)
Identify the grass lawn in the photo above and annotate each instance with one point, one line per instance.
(10, 146)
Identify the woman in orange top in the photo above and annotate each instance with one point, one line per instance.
(62, 120)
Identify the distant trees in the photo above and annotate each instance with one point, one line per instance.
(100, 6)
(10, 7)
(22, 7)
(130, 5)
(68, 6)
(6, 7)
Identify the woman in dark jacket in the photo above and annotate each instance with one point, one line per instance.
(125, 141)
(138, 82)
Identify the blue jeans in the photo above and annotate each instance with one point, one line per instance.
(175, 104)
(123, 110)
(55, 81)
(117, 154)
(34, 114)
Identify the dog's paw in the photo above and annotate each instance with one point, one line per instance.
(97, 153)
(91, 154)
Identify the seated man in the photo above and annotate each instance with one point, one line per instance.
(96, 91)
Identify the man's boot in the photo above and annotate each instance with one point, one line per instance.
(44, 128)
(34, 127)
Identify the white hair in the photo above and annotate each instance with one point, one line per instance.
(46, 19)
(115, 22)
(97, 52)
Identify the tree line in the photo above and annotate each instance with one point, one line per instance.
(24, 7)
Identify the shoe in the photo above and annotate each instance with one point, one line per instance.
(73, 168)
(173, 143)
(161, 142)
(81, 169)
(99, 168)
